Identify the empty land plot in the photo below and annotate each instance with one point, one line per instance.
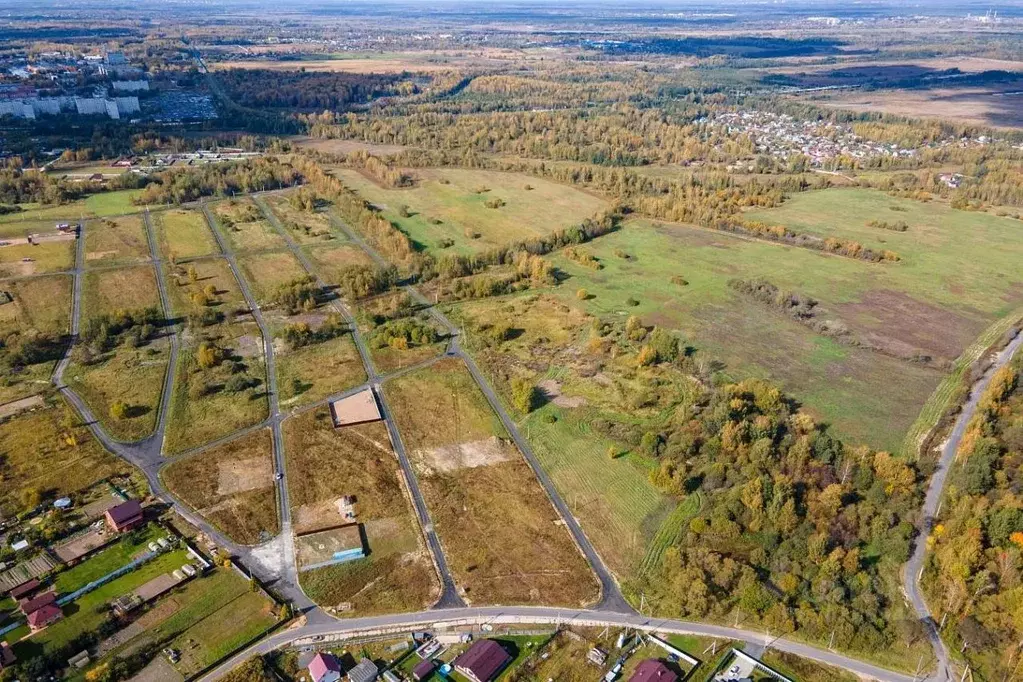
(450, 206)
(19, 229)
(504, 541)
(266, 272)
(211, 402)
(246, 229)
(50, 451)
(382, 325)
(613, 499)
(112, 203)
(203, 284)
(132, 376)
(331, 261)
(39, 304)
(182, 234)
(305, 227)
(20, 260)
(325, 464)
(115, 241)
(232, 486)
(869, 397)
(317, 370)
(104, 292)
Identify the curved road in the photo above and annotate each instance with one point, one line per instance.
(914, 568)
(309, 634)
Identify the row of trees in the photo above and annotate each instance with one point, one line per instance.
(176, 186)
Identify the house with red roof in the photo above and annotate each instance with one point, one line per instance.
(124, 517)
(324, 668)
(27, 606)
(43, 616)
(483, 660)
(24, 589)
(7, 658)
(652, 670)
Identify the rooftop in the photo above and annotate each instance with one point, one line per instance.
(652, 670)
(484, 659)
(124, 512)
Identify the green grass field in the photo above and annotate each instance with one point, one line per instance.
(187, 281)
(244, 226)
(19, 260)
(112, 203)
(86, 613)
(107, 560)
(867, 396)
(115, 241)
(452, 197)
(183, 234)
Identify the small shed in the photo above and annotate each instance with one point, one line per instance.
(360, 408)
(365, 671)
(423, 670)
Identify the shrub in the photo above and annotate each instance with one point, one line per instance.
(524, 394)
(119, 410)
(582, 294)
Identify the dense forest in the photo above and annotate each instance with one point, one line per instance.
(306, 90)
(973, 575)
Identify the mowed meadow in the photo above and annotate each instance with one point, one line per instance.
(447, 209)
(905, 323)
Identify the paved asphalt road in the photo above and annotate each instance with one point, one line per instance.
(531, 614)
(914, 568)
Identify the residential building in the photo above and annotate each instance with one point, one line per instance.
(652, 670)
(7, 658)
(23, 590)
(324, 668)
(124, 517)
(365, 671)
(40, 618)
(27, 606)
(482, 661)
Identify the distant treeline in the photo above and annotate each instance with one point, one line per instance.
(307, 91)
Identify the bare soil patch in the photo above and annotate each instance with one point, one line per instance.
(240, 475)
(552, 389)
(901, 324)
(12, 408)
(477, 453)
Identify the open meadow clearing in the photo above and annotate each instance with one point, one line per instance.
(50, 452)
(330, 260)
(21, 260)
(317, 370)
(447, 208)
(474, 480)
(115, 241)
(241, 221)
(678, 278)
(36, 305)
(219, 386)
(303, 225)
(105, 292)
(266, 272)
(182, 234)
(132, 376)
(201, 285)
(231, 486)
(325, 464)
(613, 498)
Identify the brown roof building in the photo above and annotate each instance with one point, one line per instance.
(652, 670)
(24, 589)
(483, 660)
(27, 606)
(7, 658)
(125, 516)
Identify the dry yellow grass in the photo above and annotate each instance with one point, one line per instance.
(231, 486)
(107, 291)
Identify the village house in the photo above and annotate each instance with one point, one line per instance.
(482, 661)
(124, 517)
(652, 670)
(324, 668)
